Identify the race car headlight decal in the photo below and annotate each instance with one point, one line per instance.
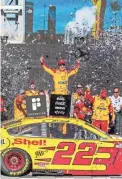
(119, 146)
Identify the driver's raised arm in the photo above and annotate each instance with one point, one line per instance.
(46, 68)
(75, 69)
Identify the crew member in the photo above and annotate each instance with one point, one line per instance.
(3, 109)
(32, 90)
(102, 109)
(20, 106)
(81, 110)
(77, 94)
(60, 75)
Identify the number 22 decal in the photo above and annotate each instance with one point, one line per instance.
(59, 159)
(64, 157)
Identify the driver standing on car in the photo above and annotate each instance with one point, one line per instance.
(60, 75)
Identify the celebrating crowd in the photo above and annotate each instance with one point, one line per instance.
(101, 110)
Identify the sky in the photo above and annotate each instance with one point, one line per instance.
(65, 12)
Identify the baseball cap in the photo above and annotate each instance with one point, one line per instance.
(79, 86)
(21, 91)
(61, 62)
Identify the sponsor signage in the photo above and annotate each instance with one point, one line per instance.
(60, 105)
(25, 141)
(36, 106)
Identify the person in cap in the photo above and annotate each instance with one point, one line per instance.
(60, 75)
(20, 105)
(77, 93)
(32, 90)
(102, 110)
(81, 111)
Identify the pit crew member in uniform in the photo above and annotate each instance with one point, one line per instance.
(116, 100)
(81, 110)
(32, 90)
(60, 75)
(20, 106)
(77, 94)
(102, 109)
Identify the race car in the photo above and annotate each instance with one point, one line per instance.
(58, 146)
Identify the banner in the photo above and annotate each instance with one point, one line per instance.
(60, 105)
(36, 106)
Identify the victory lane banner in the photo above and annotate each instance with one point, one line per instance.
(60, 105)
(36, 106)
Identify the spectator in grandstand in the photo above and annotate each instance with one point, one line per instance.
(102, 109)
(3, 109)
(81, 110)
(60, 75)
(20, 105)
(32, 90)
(116, 100)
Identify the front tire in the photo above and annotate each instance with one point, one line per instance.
(15, 162)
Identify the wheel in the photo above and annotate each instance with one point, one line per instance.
(15, 162)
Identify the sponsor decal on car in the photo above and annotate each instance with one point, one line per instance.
(5, 143)
(25, 141)
(40, 153)
(2, 141)
(41, 164)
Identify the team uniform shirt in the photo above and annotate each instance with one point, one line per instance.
(31, 93)
(19, 107)
(80, 109)
(60, 78)
(116, 102)
(101, 108)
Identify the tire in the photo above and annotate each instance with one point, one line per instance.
(15, 162)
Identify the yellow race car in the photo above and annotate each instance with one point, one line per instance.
(58, 146)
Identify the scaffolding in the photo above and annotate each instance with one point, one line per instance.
(12, 21)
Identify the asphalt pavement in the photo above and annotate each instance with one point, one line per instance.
(62, 177)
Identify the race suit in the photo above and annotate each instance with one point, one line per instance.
(101, 110)
(31, 93)
(19, 107)
(81, 110)
(60, 78)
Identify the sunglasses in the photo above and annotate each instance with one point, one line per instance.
(61, 65)
(116, 92)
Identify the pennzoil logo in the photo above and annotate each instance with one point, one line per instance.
(25, 141)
